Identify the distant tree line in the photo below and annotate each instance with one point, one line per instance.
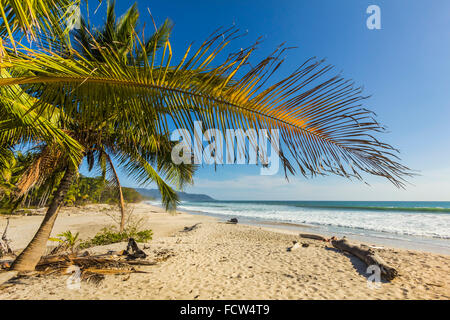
(97, 190)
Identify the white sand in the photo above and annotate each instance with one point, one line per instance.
(222, 261)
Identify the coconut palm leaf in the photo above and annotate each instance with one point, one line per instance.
(96, 136)
(321, 119)
(21, 124)
(31, 17)
(119, 35)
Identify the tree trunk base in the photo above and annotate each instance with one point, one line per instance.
(6, 276)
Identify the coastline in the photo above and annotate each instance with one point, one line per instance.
(423, 244)
(365, 239)
(225, 261)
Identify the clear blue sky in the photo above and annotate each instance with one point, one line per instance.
(405, 66)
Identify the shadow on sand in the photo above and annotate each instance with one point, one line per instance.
(359, 266)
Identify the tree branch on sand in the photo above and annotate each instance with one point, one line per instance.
(366, 255)
(362, 252)
(5, 249)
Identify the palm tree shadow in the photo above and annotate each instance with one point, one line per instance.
(359, 265)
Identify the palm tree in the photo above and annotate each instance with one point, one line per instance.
(99, 139)
(127, 106)
(118, 34)
(11, 167)
(33, 20)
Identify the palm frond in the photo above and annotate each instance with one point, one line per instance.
(31, 17)
(44, 165)
(321, 119)
(143, 173)
(21, 124)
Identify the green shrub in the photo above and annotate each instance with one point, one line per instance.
(111, 235)
(67, 240)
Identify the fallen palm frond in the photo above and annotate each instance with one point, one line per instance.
(94, 268)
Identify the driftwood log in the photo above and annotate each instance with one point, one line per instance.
(312, 236)
(133, 251)
(366, 255)
(187, 229)
(5, 249)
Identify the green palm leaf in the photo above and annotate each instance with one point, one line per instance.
(31, 17)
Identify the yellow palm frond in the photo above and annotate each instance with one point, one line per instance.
(31, 17)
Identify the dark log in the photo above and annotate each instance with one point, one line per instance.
(133, 251)
(313, 236)
(142, 263)
(187, 229)
(366, 255)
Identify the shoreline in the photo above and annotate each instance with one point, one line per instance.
(407, 243)
(227, 261)
(365, 239)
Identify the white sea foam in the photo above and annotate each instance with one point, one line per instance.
(394, 222)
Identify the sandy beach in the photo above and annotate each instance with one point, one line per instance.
(224, 261)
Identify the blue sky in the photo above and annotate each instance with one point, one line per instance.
(405, 66)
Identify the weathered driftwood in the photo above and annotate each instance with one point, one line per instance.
(133, 251)
(366, 255)
(187, 229)
(5, 249)
(312, 236)
(93, 268)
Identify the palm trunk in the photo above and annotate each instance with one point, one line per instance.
(122, 209)
(121, 201)
(31, 255)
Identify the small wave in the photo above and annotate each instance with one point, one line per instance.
(372, 208)
(425, 224)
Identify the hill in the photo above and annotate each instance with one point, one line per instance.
(183, 196)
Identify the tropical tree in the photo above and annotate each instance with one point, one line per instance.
(126, 103)
(100, 138)
(118, 34)
(33, 20)
(12, 166)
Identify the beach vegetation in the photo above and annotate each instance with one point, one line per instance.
(67, 240)
(111, 235)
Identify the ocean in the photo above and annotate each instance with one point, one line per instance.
(406, 224)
